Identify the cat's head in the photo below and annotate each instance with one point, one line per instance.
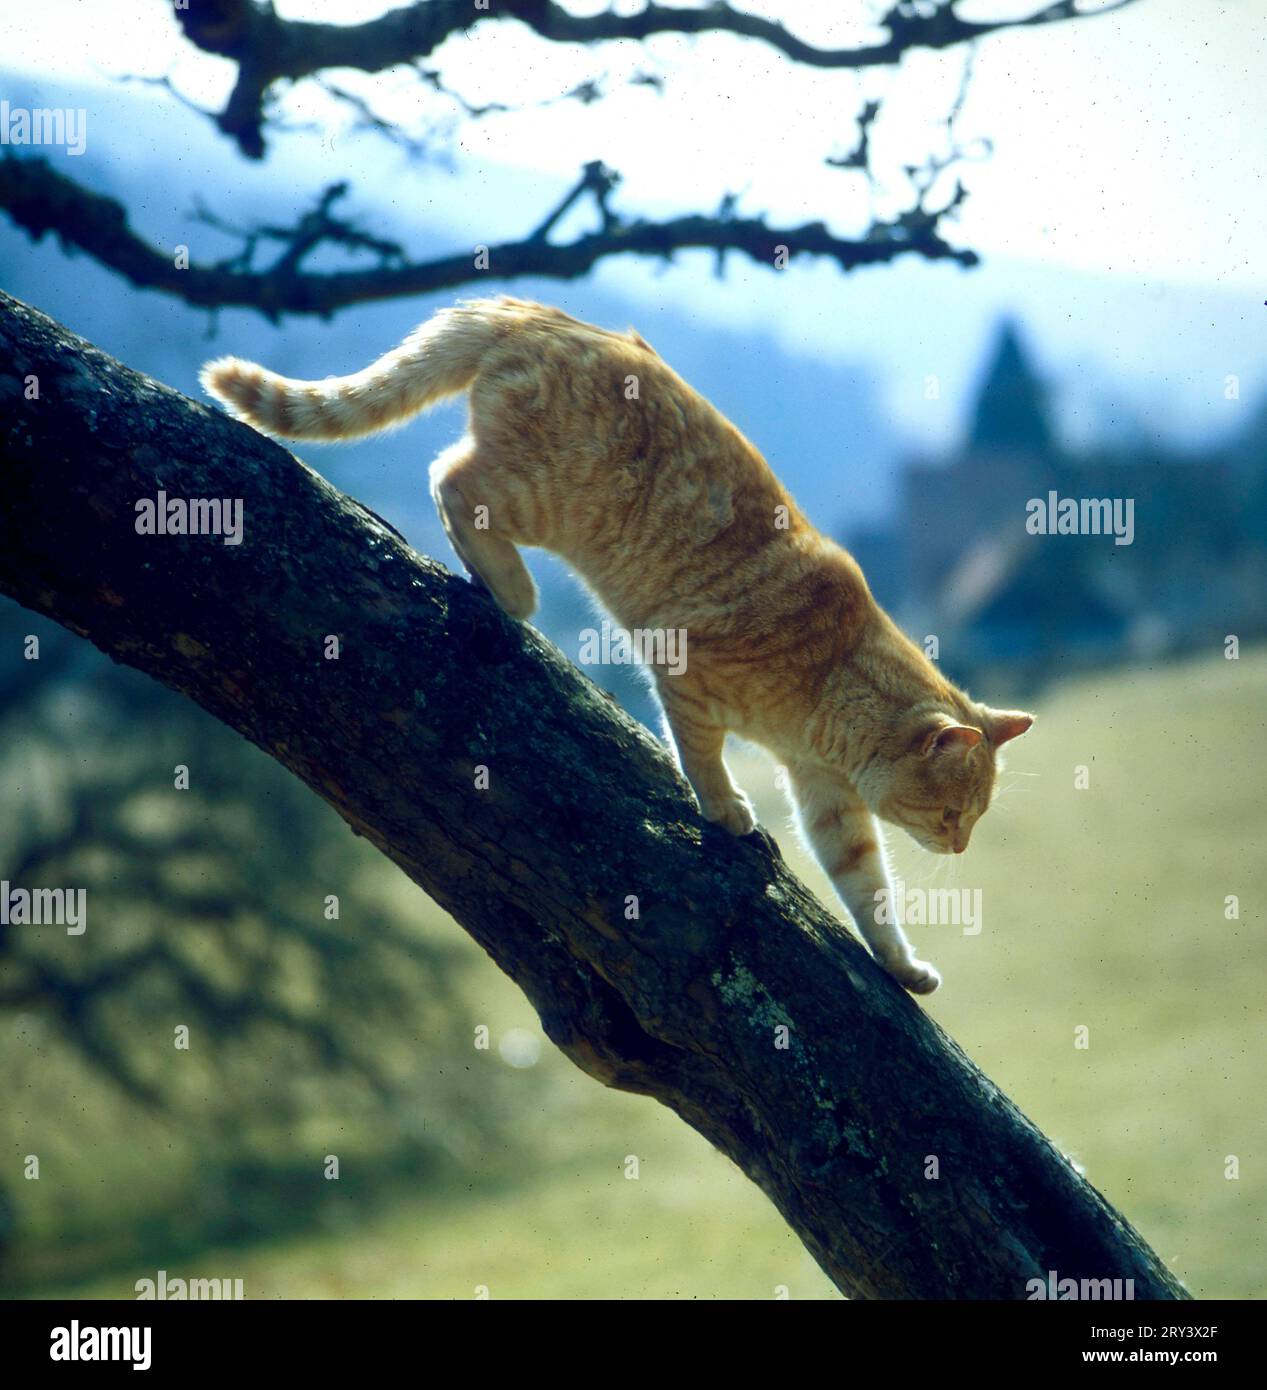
(939, 773)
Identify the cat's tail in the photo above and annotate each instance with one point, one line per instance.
(438, 360)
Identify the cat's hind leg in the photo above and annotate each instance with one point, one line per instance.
(475, 517)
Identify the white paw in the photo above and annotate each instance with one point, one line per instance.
(735, 814)
(916, 975)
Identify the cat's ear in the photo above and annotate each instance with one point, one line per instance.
(1005, 724)
(944, 737)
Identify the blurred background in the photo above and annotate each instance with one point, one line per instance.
(1109, 344)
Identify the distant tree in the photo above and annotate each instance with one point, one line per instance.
(207, 909)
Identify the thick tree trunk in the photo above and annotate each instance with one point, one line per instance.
(836, 1118)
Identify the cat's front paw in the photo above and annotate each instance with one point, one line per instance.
(735, 813)
(916, 975)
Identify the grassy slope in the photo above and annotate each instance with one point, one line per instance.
(1101, 907)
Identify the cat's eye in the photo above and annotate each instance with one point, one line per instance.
(948, 814)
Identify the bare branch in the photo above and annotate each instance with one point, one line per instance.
(41, 200)
(267, 47)
(859, 157)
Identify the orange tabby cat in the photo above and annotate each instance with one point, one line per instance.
(585, 442)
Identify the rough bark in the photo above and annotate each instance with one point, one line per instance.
(584, 809)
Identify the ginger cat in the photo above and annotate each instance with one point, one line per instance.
(585, 442)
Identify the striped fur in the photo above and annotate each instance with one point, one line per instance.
(586, 443)
(438, 360)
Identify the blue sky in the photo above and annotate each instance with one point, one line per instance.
(1121, 212)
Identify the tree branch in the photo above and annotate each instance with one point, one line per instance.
(583, 810)
(268, 48)
(41, 200)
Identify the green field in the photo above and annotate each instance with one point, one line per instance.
(1103, 908)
